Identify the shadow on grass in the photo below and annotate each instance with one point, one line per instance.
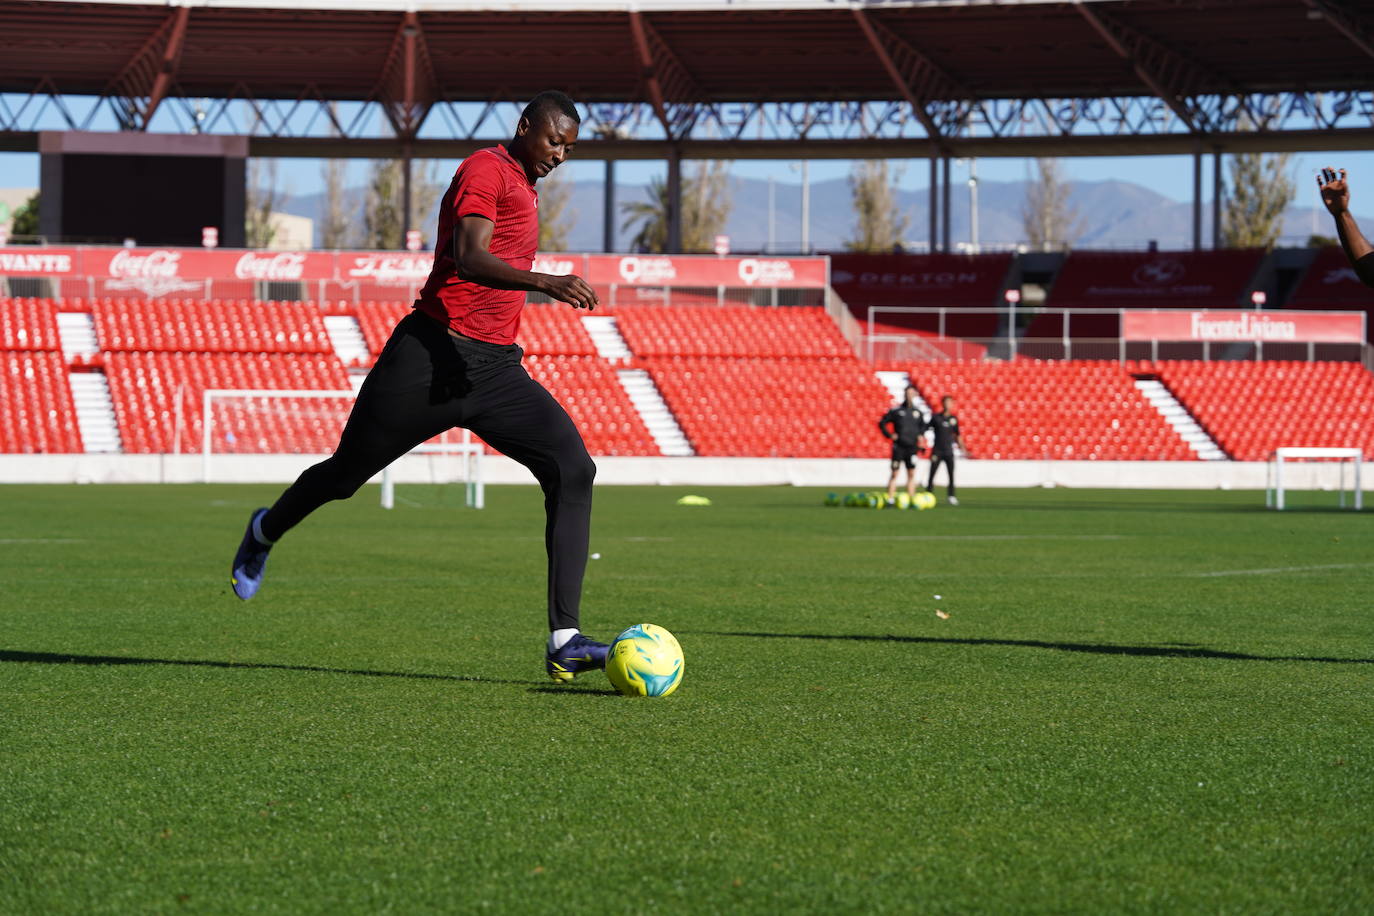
(1174, 650)
(67, 658)
(574, 689)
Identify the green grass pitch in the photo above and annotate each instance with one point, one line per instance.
(1140, 702)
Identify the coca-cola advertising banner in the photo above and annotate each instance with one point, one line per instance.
(1254, 327)
(168, 271)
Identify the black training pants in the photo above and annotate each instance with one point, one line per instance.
(936, 458)
(427, 381)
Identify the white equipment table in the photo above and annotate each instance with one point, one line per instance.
(1273, 484)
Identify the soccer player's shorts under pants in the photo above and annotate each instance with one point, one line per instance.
(903, 454)
(427, 381)
(936, 459)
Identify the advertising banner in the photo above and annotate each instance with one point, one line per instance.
(167, 271)
(920, 279)
(27, 261)
(704, 270)
(1232, 326)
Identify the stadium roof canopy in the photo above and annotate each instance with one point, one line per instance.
(739, 77)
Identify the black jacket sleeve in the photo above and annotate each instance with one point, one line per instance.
(1364, 269)
(888, 419)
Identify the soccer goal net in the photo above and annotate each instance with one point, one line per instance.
(291, 422)
(1278, 481)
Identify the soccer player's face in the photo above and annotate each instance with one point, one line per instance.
(548, 140)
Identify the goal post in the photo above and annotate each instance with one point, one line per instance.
(1274, 482)
(274, 421)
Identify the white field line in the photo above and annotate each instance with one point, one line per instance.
(1275, 570)
(986, 537)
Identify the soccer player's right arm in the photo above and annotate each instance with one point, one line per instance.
(887, 419)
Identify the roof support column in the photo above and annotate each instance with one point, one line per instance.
(674, 200)
(608, 209)
(1216, 196)
(407, 217)
(933, 201)
(1197, 199)
(945, 205)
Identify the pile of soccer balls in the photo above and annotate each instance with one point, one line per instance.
(877, 499)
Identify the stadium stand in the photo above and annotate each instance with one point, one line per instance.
(147, 388)
(730, 331)
(1085, 410)
(1252, 408)
(550, 330)
(1218, 279)
(1155, 279)
(28, 324)
(590, 391)
(741, 381)
(970, 286)
(36, 410)
(792, 407)
(37, 414)
(377, 320)
(1330, 283)
(214, 326)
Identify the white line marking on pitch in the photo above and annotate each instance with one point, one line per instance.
(1275, 570)
(987, 537)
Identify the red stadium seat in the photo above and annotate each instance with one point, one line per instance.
(1056, 410)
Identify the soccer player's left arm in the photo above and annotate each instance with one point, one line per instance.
(1335, 193)
(476, 264)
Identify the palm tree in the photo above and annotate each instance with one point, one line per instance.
(652, 216)
(705, 207)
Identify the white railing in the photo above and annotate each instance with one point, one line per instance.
(934, 343)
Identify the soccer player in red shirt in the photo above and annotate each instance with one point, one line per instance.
(453, 361)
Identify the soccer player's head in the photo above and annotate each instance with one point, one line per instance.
(546, 134)
(947, 403)
(910, 394)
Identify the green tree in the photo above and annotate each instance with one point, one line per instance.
(879, 224)
(382, 205)
(1047, 217)
(264, 199)
(25, 221)
(336, 224)
(556, 220)
(1261, 189)
(706, 206)
(383, 213)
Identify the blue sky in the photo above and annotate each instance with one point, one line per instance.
(1171, 176)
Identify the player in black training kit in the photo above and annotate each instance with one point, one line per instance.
(904, 425)
(1336, 196)
(947, 432)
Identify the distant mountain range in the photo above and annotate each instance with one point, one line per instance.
(1113, 214)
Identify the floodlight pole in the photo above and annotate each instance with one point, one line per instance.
(608, 211)
(674, 201)
(1012, 296)
(771, 197)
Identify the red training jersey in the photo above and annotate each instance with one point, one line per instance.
(492, 185)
